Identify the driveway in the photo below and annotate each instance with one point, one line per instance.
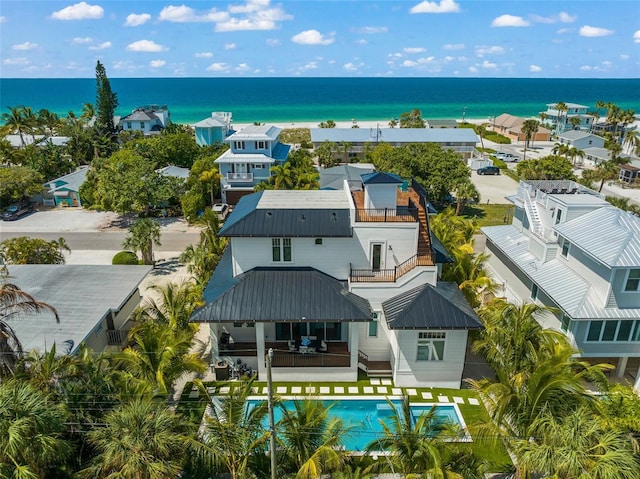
(494, 188)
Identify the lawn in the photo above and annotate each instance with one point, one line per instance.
(489, 215)
(295, 135)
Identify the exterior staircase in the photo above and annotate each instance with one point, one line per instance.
(533, 215)
(424, 240)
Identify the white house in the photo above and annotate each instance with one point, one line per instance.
(580, 139)
(148, 119)
(569, 249)
(334, 281)
(560, 121)
(253, 151)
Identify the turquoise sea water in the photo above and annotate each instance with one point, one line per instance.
(318, 99)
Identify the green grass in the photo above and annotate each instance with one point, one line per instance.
(295, 135)
(489, 215)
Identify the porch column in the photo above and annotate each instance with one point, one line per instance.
(636, 385)
(354, 336)
(621, 366)
(262, 368)
(213, 337)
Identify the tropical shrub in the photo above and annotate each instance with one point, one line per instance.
(125, 257)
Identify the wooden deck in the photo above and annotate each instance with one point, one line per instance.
(337, 355)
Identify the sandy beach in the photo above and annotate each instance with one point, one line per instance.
(344, 124)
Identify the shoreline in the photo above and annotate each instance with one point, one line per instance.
(341, 124)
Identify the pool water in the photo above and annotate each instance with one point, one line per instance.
(362, 417)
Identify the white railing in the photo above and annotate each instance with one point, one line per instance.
(239, 177)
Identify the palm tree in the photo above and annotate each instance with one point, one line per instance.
(469, 273)
(15, 304)
(543, 118)
(142, 235)
(211, 178)
(606, 171)
(393, 123)
(575, 122)
(172, 306)
(203, 258)
(560, 149)
(632, 142)
(15, 121)
(578, 445)
(32, 428)
(573, 153)
(416, 445)
(234, 434)
(88, 112)
(282, 176)
(481, 131)
(465, 191)
(529, 128)
(139, 440)
(307, 181)
(310, 440)
(561, 108)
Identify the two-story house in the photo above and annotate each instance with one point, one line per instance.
(569, 249)
(253, 151)
(560, 121)
(334, 281)
(580, 139)
(148, 119)
(213, 129)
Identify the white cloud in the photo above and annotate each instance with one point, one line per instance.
(482, 50)
(396, 55)
(636, 37)
(353, 67)
(3, 19)
(444, 6)
(562, 17)
(589, 31)
(313, 37)
(371, 30)
(79, 11)
(253, 15)
(535, 68)
(473, 69)
(229, 46)
(21, 61)
(489, 65)
(243, 67)
(125, 65)
(238, 24)
(624, 56)
(145, 46)
(409, 63)
(203, 55)
(218, 67)
(562, 31)
(361, 41)
(426, 60)
(308, 66)
(509, 21)
(157, 63)
(566, 18)
(273, 42)
(453, 46)
(102, 46)
(134, 19)
(24, 46)
(414, 50)
(81, 40)
(448, 59)
(184, 14)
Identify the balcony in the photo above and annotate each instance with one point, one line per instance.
(337, 355)
(239, 177)
(391, 275)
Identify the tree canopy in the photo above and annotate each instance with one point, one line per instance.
(412, 119)
(25, 250)
(551, 167)
(17, 182)
(106, 100)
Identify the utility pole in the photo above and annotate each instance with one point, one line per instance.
(272, 427)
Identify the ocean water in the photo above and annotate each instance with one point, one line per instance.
(319, 99)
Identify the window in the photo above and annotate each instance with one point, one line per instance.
(238, 145)
(258, 166)
(128, 125)
(619, 331)
(318, 241)
(431, 346)
(281, 250)
(373, 329)
(261, 145)
(534, 292)
(141, 125)
(595, 327)
(565, 248)
(633, 280)
(558, 215)
(566, 320)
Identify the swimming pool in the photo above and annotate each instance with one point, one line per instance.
(362, 417)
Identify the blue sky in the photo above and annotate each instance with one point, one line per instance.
(257, 38)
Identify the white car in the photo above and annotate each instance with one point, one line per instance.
(222, 210)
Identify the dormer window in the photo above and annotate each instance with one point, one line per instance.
(633, 281)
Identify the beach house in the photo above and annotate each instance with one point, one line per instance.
(461, 140)
(253, 151)
(580, 139)
(560, 121)
(213, 129)
(65, 191)
(147, 119)
(511, 127)
(335, 281)
(569, 249)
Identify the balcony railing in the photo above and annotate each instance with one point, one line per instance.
(391, 275)
(239, 177)
(310, 360)
(401, 214)
(116, 337)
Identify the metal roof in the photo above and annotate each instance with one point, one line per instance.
(256, 132)
(291, 213)
(175, 171)
(280, 295)
(381, 178)
(442, 255)
(431, 307)
(577, 135)
(333, 178)
(82, 295)
(394, 135)
(140, 115)
(71, 182)
(609, 234)
(210, 123)
(278, 153)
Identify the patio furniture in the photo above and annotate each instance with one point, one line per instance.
(324, 347)
(292, 346)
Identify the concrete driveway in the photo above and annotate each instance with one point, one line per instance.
(494, 188)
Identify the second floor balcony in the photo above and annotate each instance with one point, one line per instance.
(239, 177)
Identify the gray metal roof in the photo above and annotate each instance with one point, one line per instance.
(279, 295)
(609, 234)
(431, 307)
(291, 213)
(576, 135)
(278, 153)
(255, 132)
(210, 122)
(381, 178)
(140, 115)
(394, 135)
(71, 182)
(82, 295)
(442, 124)
(566, 287)
(333, 178)
(175, 171)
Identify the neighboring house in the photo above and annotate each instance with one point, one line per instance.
(94, 303)
(593, 156)
(631, 172)
(65, 191)
(336, 281)
(174, 171)
(148, 119)
(441, 123)
(253, 151)
(511, 127)
(560, 121)
(580, 139)
(333, 178)
(462, 140)
(17, 141)
(569, 249)
(214, 129)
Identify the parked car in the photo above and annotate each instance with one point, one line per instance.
(222, 210)
(488, 170)
(17, 210)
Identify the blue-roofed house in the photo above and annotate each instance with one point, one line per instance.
(336, 281)
(253, 151)
(461, 140)
(570, 249)
(213, 129)
(65, 191)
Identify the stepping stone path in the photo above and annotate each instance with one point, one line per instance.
(458, 400)
(296, 389)
(374, 381)
(427, 396)
(396, 391)
(265, 391)
(225, 390)
(211, 390)
(411, 392)
(382, 389)
(254, 390)
(325, 390)
(443, 399)
(386, 382)
(310, 390)
(367, 390)
(354, 390)
(474, 402)
(338, 390)
(193, 394)
(280, 390)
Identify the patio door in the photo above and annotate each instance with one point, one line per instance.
(377, 262)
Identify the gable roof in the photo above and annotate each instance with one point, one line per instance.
(381, 178)
(291, 213)
(394, 135)
(577, 135)
(71, 182)
(609, 234)
(175, 171)
(280, 295)
(431, 307)
(508, 121)
(333, 178)
(210, 122)
(256, 132)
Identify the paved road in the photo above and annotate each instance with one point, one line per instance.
(110, 240)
